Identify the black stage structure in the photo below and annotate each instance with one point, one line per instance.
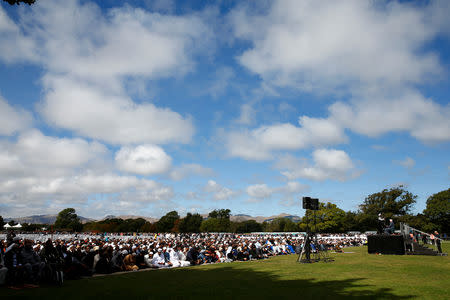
(320, 253)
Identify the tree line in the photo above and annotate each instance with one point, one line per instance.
(395, 203)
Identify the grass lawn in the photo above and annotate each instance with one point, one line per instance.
(355, 275)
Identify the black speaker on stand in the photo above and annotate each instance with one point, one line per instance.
(305, 255)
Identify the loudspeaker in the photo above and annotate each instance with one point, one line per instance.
(306, 202)
(314, 204)
(386, 244)
(310, 203)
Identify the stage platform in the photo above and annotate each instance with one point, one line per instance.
(386, 244)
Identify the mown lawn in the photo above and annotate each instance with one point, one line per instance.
(355, 275)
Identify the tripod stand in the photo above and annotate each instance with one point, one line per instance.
(320, 252)
(305, 255)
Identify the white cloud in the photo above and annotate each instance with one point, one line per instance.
(34, 154)
(408, 163)
(247, 115)
(18, 46)
(329, 44)
(218, 191)
(292, 187)
(365, 49)
(328, 164)
(259, 143)
(126, 41)
(222, 80)
(143, 160)
(370, 115)
(289, 161)
(408, 111)
(39, 194)
(186, 170)
(86, 70)
(114, 118)
(12, 120)
(40, 173)
(259, 191)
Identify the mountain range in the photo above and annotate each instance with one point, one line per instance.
(50, 219)
(42, 219)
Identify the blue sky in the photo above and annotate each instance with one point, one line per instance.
(149, 106)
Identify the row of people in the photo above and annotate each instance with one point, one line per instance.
(34, 261)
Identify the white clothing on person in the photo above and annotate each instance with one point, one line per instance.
(178, 259)
(159, 261)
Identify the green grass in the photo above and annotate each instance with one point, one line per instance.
(352, 275)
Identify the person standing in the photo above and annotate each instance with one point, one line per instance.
(437, 238)
(381, 223)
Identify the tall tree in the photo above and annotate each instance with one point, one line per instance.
(218, 221)
(280, 225)
(328, 218)
(438, 210)
(392, 203)
(166, 223)
(220, 214)
(190, 223)
(247, 226)
(12, 2)
(2, 223)
(67, 219)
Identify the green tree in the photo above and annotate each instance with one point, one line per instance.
(329, 218)
(419, 221)
(438, 210)
(247, 226)
(211, 225)
(131, 225)
(220, 214)
(350, 222)
(67, 219)
(147, 227)
(393, 203)
(166, 223)
(280, 225)
(190, 223)
(218, 221)
(12, 2)
(2, 223)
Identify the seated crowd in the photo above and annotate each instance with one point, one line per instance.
(35, 258)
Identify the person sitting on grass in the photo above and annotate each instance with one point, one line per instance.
(130, 262)
(148, 258)
(3, 269)
(117, 261)
(13, 262)
(103, 265)
(32, 264)
(192, 256)
(158, 259)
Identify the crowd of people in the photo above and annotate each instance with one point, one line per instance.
(35, 258)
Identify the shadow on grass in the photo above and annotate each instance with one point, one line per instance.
(225, 282)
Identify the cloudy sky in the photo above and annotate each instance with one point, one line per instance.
(149, 106)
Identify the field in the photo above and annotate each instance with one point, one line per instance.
(356, 275)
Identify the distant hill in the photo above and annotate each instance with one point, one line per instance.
(50, 219)
(262, 219)
(42, 219)
(124, 217)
